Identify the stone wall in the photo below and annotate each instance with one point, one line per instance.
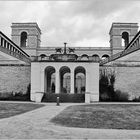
(127, 79)
(14, 78)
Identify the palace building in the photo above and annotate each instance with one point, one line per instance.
(68, 69)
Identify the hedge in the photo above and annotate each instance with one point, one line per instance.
(64, 97)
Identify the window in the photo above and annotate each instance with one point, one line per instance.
(23, 40)
(125, 39)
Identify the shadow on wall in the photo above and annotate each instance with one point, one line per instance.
(107, 90)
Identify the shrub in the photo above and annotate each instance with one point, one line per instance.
(64, 97)
(107, 90)
(121, 96)
(136, 99)
(28, 91)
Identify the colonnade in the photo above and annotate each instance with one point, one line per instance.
(89, 70)
(58, 79)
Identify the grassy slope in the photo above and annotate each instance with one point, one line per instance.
(100, 116)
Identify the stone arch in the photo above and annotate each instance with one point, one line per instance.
(105, 56)
(65, 79)
(42, 56)
(80, 79)
(125, 39)
(84, 57)
(95, 57)
(49, 79)
(23, 39)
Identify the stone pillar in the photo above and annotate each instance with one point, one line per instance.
(94, 82)
(87, 93)
(7, 45)
(72, 81)
(87, 82)
(57, 81)
(35, 80)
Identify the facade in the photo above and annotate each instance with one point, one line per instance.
(71, 70)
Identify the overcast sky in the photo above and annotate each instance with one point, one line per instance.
(79, 23)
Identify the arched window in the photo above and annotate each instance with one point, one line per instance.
(125, 39)
(95, 57)
(84, 57)
(23, 39)
(43, 56)
(105, 56)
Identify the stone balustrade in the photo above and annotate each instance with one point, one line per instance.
(132, 46)
(63, 58)
(9, 47)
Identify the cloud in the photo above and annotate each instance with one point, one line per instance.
(80, 23)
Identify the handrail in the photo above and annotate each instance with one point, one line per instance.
(132, 46)
(9, 47)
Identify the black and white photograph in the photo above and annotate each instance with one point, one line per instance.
(70, 69)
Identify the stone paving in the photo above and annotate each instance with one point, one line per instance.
(35, 125)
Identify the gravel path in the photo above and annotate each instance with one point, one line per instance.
(35, 125)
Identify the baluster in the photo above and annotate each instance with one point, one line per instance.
(0, 40)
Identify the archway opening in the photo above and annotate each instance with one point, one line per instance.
(80, 80)
(125, 39)
(105, 56)
(23, 39)
(50, 79)
(65, 79)
(42, 56)
(84, 57)
(95, 57)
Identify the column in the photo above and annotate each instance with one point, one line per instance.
(35, 80)
(87, 82)
(87, 93)
(72, 81)
(57, 81)
(6, 45)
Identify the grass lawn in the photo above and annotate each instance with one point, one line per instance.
(105, 116)
(11, 109)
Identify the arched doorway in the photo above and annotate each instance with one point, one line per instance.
(80, 79)
(50, 79)
(65, 79)
(23, 39)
